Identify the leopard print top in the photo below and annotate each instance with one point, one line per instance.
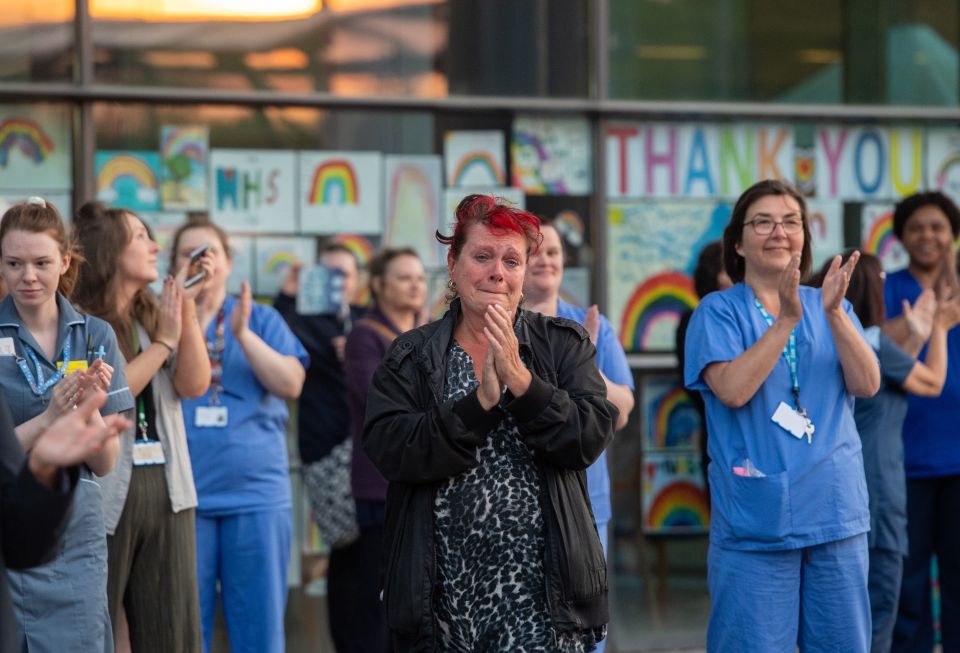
(489, 534)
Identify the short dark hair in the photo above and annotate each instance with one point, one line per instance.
(865, 291)
(909, 205)
(709, 265)
(379, 264)
(733, 263)
(333, 247)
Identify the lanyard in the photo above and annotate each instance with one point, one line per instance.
(215, 353)
(142, 416)
(39, 385)
(789, 354)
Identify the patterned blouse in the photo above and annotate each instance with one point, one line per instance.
(489, 531)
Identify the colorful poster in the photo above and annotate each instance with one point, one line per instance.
(340, 191)
(826, 229)
(184, 152)
(673, 160)
(413, 185)
(129, 180)
(274, 258)
(35, 147)
(474, 159)
(652, 250)
(876, 228)
(864, 163)
(673, 497)
(551, 156)
(241, 248)
(943, 161)
(453, 196)
(671, 420)
(253, 191)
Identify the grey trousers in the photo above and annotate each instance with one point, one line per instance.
(152, 568)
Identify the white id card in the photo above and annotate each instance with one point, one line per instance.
(211, 416)
(791, 421)
(7, 347)
(147, 452)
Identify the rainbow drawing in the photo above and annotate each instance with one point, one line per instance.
(188, 141)
(674, 419)
(280, 261)
(129, 180)
(334, 183)
(570, 227)
(126, 166)
(25, 135)
(880, 239)
(412, 200)
(944, 170)
(656, 304)
(678, 505)
(360, 246)
(477, 160)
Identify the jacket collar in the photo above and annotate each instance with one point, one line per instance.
(68, 318)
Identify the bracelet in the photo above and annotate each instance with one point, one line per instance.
(161, 342)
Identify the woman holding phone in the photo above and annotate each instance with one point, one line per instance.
(236, 432)
(51, 356)
(149, 499)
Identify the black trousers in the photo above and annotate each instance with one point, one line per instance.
(358, 622)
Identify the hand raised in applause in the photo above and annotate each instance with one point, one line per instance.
(240, 318)
(835, 282)
(170, 319)
(789, 291)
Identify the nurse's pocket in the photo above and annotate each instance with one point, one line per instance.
(758, 507)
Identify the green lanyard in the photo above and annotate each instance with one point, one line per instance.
(141, 406)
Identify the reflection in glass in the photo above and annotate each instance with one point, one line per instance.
(421, 48)
(36, 41)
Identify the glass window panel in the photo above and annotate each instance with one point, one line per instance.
(726, 50)
(921, 53)
(37, 41)
(421, 48)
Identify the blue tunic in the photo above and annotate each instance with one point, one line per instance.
(62, 605)
(930, 444)
(612, 361)
(810, 493)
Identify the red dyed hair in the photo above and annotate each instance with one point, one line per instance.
(499, 217)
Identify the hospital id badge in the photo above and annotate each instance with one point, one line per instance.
(7, 348)
(790, 420)
(147, 452)
(211, 416)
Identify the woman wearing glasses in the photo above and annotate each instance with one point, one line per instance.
(778, 365)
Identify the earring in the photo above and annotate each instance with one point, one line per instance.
(521, 299)
(451, 284)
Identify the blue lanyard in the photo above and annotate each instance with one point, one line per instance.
(789, 353)
(39, 385)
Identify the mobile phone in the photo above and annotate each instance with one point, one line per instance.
(195, 273)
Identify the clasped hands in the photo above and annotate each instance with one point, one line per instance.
(502, 366)
(72, 389)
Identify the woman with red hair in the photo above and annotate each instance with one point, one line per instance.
(483, 423)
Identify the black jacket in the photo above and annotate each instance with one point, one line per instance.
(418, 441)
(32, 518)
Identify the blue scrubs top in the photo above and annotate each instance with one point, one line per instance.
(243, 467)
(931, 447)
(810, 493)
(612, 361)
(62, 605)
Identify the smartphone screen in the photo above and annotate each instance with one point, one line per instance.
(195, 273)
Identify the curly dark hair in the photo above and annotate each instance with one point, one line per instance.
(909, 205)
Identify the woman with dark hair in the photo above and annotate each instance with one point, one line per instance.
(238, 450)
(928, 224)
(709, 276)
(880, 420)
(483, 423)
(398, 288)
(149, 498)
(54, 355)
(778, 364)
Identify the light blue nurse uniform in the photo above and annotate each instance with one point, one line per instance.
(788, 550)
(243, 492)
(62, 606)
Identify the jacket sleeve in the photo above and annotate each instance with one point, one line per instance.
(570, 424)
(409, 436)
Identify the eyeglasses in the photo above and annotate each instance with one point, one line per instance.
(765, 226)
